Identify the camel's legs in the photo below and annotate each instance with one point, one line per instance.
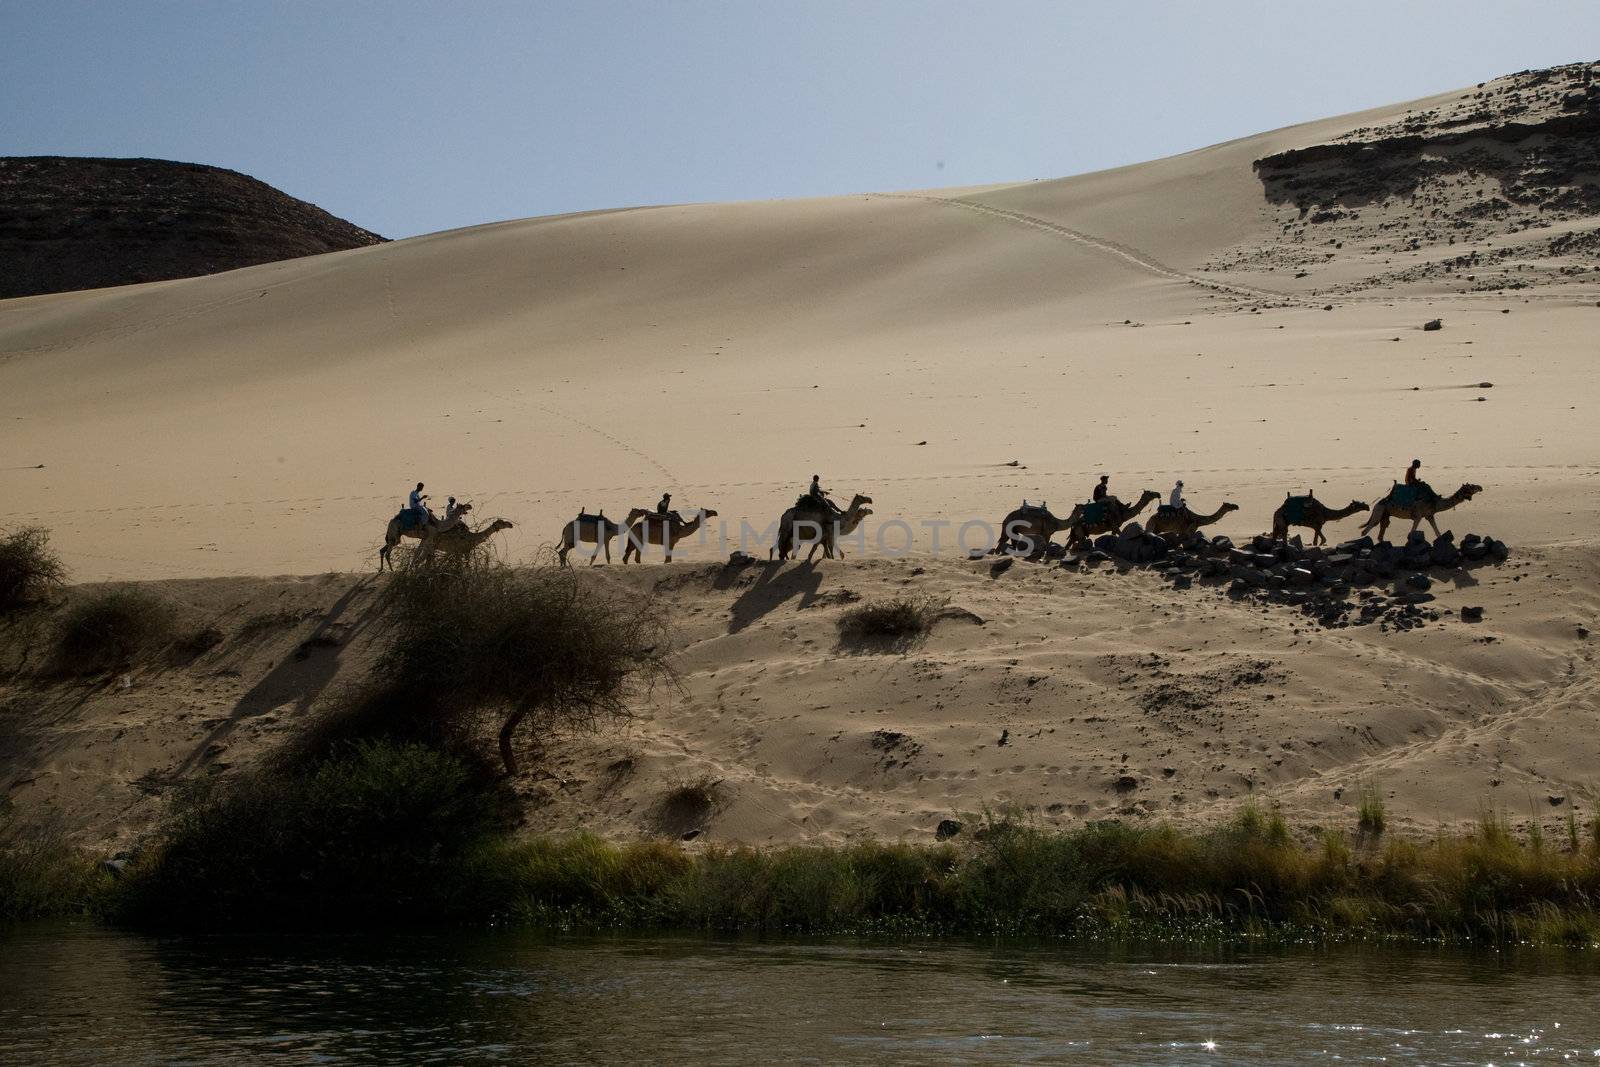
(1434, 523)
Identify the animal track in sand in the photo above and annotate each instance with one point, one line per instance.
(1112, 248)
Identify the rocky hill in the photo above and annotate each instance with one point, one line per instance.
(1498, 188)
(69, 223)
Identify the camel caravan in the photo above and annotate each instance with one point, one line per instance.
(1028, 529)
(815, 521)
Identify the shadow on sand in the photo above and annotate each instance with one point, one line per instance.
(775, 583)
(298, 680)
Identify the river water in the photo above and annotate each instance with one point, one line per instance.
(80, 995)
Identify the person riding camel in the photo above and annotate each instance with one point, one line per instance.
(1101, 489)
(820, 496)
(416, 503)
(1175, 501)
(1411, 472)
(454, 514)
(664, 507)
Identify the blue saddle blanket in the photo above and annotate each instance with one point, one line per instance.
(408, 520)
(1403, 495)
(1294, 508)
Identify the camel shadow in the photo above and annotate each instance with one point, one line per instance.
(775, 583)
(298, 680)
(31, 734)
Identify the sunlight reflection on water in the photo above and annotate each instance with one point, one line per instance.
(80, 996)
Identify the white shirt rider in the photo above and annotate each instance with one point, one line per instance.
(1176, 499)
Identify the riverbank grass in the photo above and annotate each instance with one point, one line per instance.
(385, 833)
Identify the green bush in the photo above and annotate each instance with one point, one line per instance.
(112, 627)
(30, 570)
(1371, 818)
(387, 832)
(377, 831)
(40, 876)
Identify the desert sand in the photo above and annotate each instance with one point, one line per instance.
(1179, 319)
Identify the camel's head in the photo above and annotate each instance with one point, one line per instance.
(1229, 507)
(857, 500)
(501, 524)
(1468, 491)
(707, 513)
(1361, 505)
(1147, 496)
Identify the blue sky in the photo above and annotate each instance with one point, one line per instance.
(409, 117)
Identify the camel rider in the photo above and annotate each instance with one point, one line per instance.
(820, 495)
(664, 507)
(1411, 472)
(1175, 501)
(454, 513)
(417, 504)
(1101, 490)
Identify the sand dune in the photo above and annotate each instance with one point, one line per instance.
(269, 420)
(1160, 321)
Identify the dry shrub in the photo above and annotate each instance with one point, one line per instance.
(112, 627)
(30, 570)
(542, 645)
(688, 805)
(897, 621)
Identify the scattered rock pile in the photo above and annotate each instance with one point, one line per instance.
(1339, 586)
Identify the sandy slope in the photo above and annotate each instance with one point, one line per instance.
(1069, 694)
(910, 346)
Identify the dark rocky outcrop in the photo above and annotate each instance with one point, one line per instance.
(69, 223)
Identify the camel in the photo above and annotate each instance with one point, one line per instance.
(1311, 513)
(1180, 522)
(664, 530)
(800, 521)
(1416, 511)
(460, 540)
(434, 527)
(1112, 516)
(594, 530)
(1029, 528)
